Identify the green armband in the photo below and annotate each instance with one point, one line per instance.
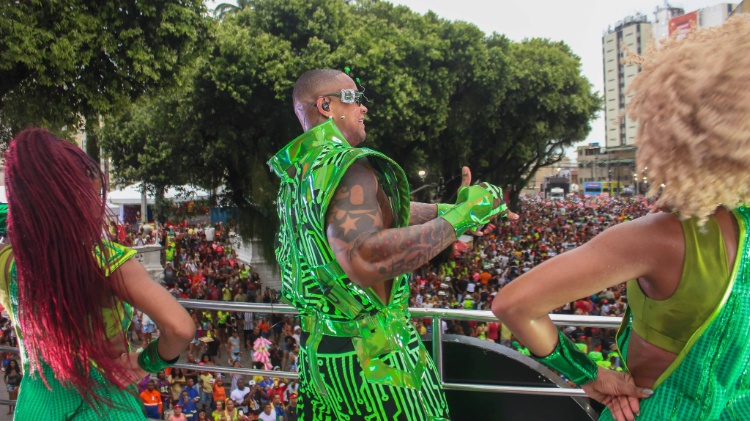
(570, 361)
(442, 208)
(474, 207)
(150, 360)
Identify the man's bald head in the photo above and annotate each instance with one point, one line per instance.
(309, 87)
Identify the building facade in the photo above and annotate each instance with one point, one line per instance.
(632, 34)
(614, 161)
(662, 16)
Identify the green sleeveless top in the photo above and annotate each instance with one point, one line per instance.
(670, 323)
(709, 378)
(311, 168)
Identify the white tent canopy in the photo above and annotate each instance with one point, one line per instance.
(131, 195)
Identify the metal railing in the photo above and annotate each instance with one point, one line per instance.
(436, 314)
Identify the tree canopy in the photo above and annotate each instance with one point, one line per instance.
(442, 94)
(63, 63)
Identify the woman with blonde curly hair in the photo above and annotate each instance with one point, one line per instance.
(685, 338)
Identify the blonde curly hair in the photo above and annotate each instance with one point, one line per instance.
(692, 103)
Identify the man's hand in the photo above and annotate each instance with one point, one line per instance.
(619, 392)
(466, 182)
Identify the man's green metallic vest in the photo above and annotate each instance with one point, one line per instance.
(310, 168)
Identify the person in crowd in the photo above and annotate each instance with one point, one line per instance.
(152, 401)
(213, 348)
(163, 386)
(291, 389)
(219, 392)
(188, 405)
(231, 411)
(256, 398)
(278, 405)
(235, 377)
(268, 413)
(12, 377)
(234, 347)
(177, 414)
(684, 339)
(77, 368)
(206, 389)
(362, 234)
(291, 409)
(177, 382)
(219, 414)
(193, 393)
(240, 396)
(148, 327)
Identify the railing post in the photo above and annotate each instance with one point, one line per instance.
(437, 345)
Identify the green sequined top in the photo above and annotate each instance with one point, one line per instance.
(709, 379)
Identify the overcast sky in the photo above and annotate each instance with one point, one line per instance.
(580, 23)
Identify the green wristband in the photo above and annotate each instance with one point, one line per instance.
(570, 361)
(442, 208)
(150, 360)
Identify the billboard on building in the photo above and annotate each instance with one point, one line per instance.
(683, 24)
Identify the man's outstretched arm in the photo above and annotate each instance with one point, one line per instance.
(369, 252)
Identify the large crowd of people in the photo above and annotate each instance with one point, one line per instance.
(200, 263)
(474, 274)
(201, 266)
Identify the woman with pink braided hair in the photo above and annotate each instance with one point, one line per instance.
(70, 292)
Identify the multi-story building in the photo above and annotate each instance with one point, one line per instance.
(606, 164)
(743, 7)
(615, 160)
(715, 15)
(631, 34)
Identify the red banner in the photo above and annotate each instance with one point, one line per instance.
(683, 24)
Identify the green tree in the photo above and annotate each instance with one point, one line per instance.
(148, 144)
(545, 105)
(65, 63)
(443, 94)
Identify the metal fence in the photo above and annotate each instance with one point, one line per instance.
(436, 314)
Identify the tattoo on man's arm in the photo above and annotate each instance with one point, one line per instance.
(356, 232)
(419, 213)
(398, 251)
